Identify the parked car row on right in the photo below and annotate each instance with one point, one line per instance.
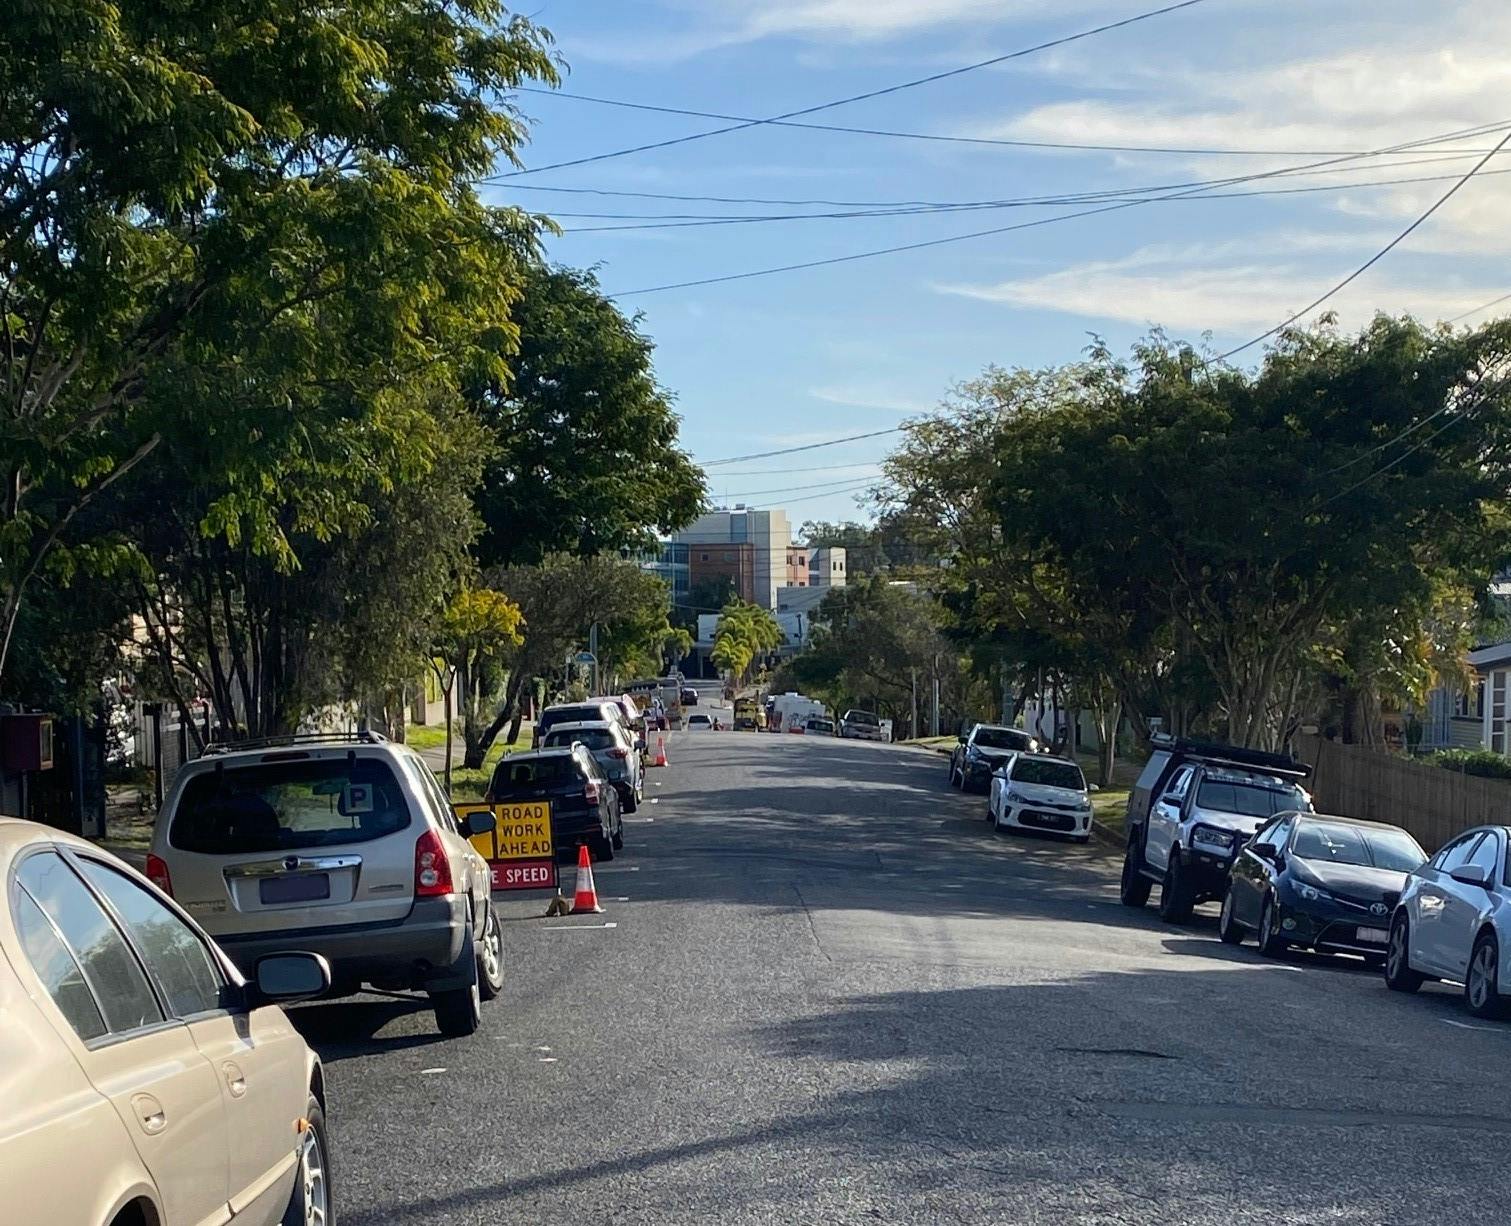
(1237, 826)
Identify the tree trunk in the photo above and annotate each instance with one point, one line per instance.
(1108, 715)
(446, 688)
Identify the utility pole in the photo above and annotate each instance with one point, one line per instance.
(935, 721)
(913, 716)
(593, 650)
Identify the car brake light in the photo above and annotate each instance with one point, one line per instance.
(590, 792)
(432, 870)
(157, 873)
(619, 753)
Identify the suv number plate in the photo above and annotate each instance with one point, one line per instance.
(307, 887)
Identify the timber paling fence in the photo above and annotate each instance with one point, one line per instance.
(1432, 802)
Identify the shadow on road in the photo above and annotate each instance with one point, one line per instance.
(341, 1029)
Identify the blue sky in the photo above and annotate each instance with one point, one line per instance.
(798, 357)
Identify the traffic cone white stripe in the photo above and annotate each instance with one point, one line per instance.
(587, 892)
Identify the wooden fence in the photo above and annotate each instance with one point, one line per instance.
(1431, 802)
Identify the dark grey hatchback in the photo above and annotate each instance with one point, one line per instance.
(584, 804)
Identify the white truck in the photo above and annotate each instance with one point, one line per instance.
(791, 711)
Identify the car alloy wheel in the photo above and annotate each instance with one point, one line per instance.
(490, 961)
(1481, 985)
(1227, 927)
(1271, 944)
(310, 1205)
(1399, 977)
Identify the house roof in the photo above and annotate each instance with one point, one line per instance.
(1490, 655)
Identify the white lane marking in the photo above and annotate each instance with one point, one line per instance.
(548, 1059)
(640, 820)
(575, 927)
(1448, 1021)
(428, 1072)
(617, 868)
(655, 800)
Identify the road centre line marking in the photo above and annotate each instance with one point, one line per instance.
(575, 927)
(1448, 1021)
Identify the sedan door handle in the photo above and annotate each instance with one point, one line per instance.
(149, 1114)
(236, 1080)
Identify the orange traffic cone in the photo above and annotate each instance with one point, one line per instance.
(660, 752)
(587, 892)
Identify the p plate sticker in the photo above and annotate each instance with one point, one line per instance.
(358, 798)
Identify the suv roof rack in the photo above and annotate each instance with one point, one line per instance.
(1232, 755)
(360, 737)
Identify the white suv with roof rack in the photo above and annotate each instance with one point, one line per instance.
(342, 845)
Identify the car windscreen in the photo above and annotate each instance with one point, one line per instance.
(514, 775)
(1001, 738)
(273, 806)
(1048, 774)
(594, 738)
(1336, 843)
(1248, 799)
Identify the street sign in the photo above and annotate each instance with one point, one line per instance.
(519, 849)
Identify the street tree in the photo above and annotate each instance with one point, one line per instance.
(185, 194)
(478, 629)
(744, 633)
(587, 458)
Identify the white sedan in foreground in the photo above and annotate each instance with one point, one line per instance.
(1035, 792)
(1453, 922)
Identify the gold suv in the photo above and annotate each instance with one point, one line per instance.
(143, 1081)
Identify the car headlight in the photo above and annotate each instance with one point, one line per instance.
(1016, 798)
(1211, 836)
(1311, 893)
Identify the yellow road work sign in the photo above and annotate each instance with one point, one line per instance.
(522, 830)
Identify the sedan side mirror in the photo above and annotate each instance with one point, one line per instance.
(1471, 874)
(480, 823)
(960, 738)
(285, 978)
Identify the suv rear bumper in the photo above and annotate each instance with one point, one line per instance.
(418, 951)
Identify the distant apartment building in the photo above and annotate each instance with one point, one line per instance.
(754, 548)
(821, 570)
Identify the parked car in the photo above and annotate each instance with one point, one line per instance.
(345, 846)
(1036, 792)
(699, 722)
(1193, 807)
(982, 750)
(859, 725)
(819, 727)
(593, 711)
(615, 748)
(1453, 921)
(1323, 883)
(689, 696)
(584, 805)
(145, 1079)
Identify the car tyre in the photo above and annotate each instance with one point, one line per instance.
(1133, 889)
(1228, 929)
(1399, 977)
(311, 1200)
(955, 779)
(1080, 838)
(1482, 982)
(1271, 943)
(1175, 901)
(458, 1011)
(490, 958)
(618, 840)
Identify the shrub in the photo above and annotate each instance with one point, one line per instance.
(1483, 762)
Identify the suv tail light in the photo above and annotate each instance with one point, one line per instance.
(432, 870)
(157, 873)
(590, 792)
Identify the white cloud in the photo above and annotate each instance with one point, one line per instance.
(866, 396)
(1199, 289)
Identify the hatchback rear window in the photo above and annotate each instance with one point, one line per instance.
(579, 715)
(512, 775)
(593, 738)
(274, 806)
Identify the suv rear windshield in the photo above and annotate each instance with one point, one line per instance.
(861, 717)
(593, 738)
(273, 806)
(516, 774)
(1047, 773)
(579, 715)
(1249, 799)
(1002, 738)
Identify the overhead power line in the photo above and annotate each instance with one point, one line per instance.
(1374, 259)
(833, 442)
(1081, 146)
(1494, 302)
(874, 93)
(793, 489)
(1022, 225)
(1044, 202)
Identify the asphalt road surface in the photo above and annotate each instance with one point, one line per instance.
(832, 995)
